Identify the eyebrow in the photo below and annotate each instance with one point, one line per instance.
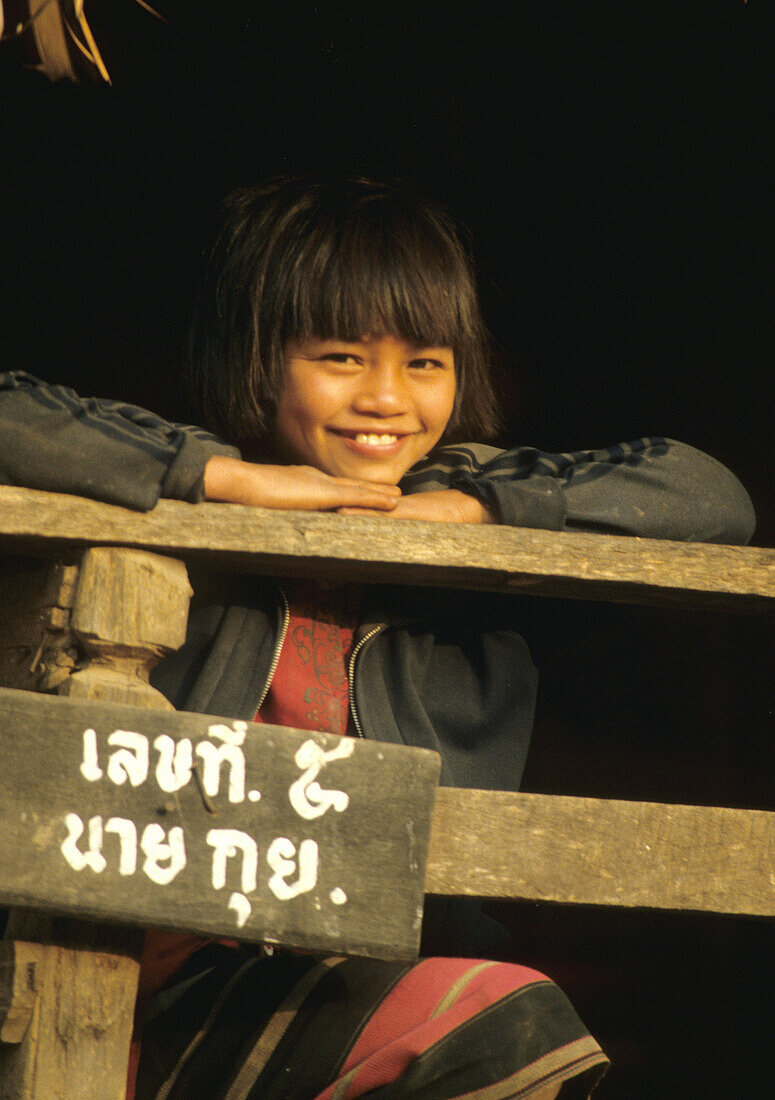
(325, 340)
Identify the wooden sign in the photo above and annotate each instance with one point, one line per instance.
(210, 825)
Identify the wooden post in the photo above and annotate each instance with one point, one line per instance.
(129, 608)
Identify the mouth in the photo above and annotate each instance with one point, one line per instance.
(372, 441)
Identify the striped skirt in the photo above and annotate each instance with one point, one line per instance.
(294, 1027)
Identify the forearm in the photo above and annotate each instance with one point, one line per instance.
(50, 438)
(673, 493)
(650, 488)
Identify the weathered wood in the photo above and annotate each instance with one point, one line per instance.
(19, 986)
(130, 608)
(483, 842)
(140, 821)
(498, 558)
(123, 611)
(37, 651)
(600, 852)
(80, 1019)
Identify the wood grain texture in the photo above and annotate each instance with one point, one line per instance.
(19, 987)
(602, 852)
(297, 838)
(36, 648)
(130, 608)
(111, 618)
(497, 558)
(131, 598)
(76, 1041)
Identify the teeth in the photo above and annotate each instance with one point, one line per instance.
(374, 440)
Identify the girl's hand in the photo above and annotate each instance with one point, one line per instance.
(442, 506)
(300, 487)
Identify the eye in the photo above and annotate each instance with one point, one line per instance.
(427, 364)
(341, 356)
(345, 358)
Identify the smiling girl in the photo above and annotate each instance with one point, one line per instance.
(338, 347)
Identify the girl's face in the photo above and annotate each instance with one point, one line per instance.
(367, 410)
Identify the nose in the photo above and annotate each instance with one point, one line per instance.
(382, 391)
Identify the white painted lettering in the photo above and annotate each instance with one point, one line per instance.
(90, 766)
(127, 835)
(173, 770)
(281, 858)
(130, 760)
(165, 854)
(227, 843)
(93, 857)
(241, 907)
(228, 752)
(307, 797)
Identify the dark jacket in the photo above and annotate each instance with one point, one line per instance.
(450, 674)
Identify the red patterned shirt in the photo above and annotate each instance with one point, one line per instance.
(310, 686)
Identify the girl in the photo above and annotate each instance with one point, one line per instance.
(338, 346)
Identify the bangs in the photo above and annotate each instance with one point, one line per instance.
(335, 259)
(386, 270)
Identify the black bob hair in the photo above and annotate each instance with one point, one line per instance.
(343, 259)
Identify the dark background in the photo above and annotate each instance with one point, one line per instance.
(614, 166)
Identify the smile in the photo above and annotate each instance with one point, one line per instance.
(374, 440)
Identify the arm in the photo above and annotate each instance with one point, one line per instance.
(52, 439)
(654, 488)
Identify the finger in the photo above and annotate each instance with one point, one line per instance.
(369, 500)
(351, 510)
(370, 487)
(407, 508)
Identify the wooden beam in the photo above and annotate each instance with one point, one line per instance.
(483, 843)
(602, 852)
(502, 559)
(186, 821)
(69, 1023)
(115, 614)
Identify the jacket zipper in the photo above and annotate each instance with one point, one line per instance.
(286, 618)
(351, 672)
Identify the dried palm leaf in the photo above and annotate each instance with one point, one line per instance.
(52, 22)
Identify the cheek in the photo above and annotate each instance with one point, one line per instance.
(313, 398)
(307, 403)
(290, 427)
(296, 407)
(443, 408)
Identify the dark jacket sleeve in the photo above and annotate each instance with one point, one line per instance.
(50, 438)
(654, 488)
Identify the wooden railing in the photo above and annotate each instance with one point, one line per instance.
(89, 624)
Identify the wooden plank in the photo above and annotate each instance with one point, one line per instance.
(329, 546)
(99, 821)
(80, 1017)
(599, 852)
